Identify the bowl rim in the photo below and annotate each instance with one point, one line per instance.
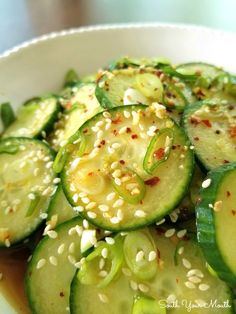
(115, 26)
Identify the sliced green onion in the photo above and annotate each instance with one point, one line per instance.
(90, 272)
(32, 101)
(148, 305)
(189, 76)
(137, 248)
(7, 114)
(133, 189)
(60, 160)
(158, 150)
(33, 204)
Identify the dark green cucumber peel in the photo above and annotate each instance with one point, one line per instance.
(112, 227)
(7, 114)
(206, 226)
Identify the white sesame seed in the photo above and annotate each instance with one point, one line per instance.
(203, 287)
(72, 231)
(139, 256)
(117, 173)
(169, 233)
(103, 207)
(53, 260)
(99, 123)
(106, 114)
(118, 203)
(133, 285)
(91, 205)
(49, 164)
(143, 288)
(186, 263)
(116, 145)
(181, 233)
(126, 272)
(91, 215)
(7, 242)
(181, 250)
(103, 273)
(95, 129)
(85, 200)
(56, 180)
(117, 181)
(104, 252)
(79, 209)
(61, 249)
(83, 194)
(111, 196)
(191, 147)
(47, 191)
(85, 224)
(52, 234)
(122, 130)
(126, 114)
(195, 272)
(71, 259)
(31, 196)
(114, 165)
(79, 230)
(100, 134)
(160, 222)
(41, 263)
(194, 279)
(101, 263)
(103, 298)
(190, 285)
(114, 220)
(120, 214)
(110, 240)
(152, 256)
(206, 183)
(139, 213)
(72, 248)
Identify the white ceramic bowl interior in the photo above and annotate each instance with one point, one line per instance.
(38, 66)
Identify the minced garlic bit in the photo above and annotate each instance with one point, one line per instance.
(217, 206)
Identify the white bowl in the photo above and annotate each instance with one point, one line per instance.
(39, 65)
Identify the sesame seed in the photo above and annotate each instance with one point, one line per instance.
(103, 273)
(143, 287)
(95, 129)
(169, 233)
(106, 114)
(72, 247)
(79, 230)
(103, 207)
(47, 191)
(139, 256)
(71, 259)
(111, 196)
(133, 285)
(56, 180)
(122, 130)
(72, 231)
(52, 234)
(160, 222)
(181, 233)
(85, 224)
(91, 205)
(101, 263)
(103, 298)
(79, 209)
(114, 220)
(181, 250)
(41, 263)
(91, 215)
(206, 183)
(53, 260)
(126, 114)
(118, 203)
(203, 287)
(75, 163)
(49, 164)
(195, 272)
(139, 213)
(114, 165)
(31, 196)
(186, 263)
(217, 206)
(117, 173)
(85, 200)
(194, 279)
(110, 240)
(104, 252)
(191, 147)
(99, 123)
(126, 272)
(7, 242)
(152, 256)
(120, 214)
(100, 134)
(117, 181)
(61, 249)
(116, 145)
(83, 194)
(190, 285)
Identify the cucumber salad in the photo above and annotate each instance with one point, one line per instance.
(122, 186)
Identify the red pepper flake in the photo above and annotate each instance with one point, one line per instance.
(207, 123)
(230, 107)
(228, 193)
(62, 294)
(173, 146)
(226, 161)
(196, 138)
(159, 153)
(122, 162)
(134, 136)
(68, 105)
(233, 212)
(128, 130)
(232, 131)
(195, 120)
(153, 181)
(85, 131)
(177, 280)
(117, 120)
(90, 174)
(115, 132)
(103, 142)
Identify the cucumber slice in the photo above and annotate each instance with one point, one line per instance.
(170, 290)
(52, 268)
(113, 144)
(60, 209)
(26, 184)
(211, 127)
(80, 107)
(129, 86)
(35, 117)
(216, 221)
